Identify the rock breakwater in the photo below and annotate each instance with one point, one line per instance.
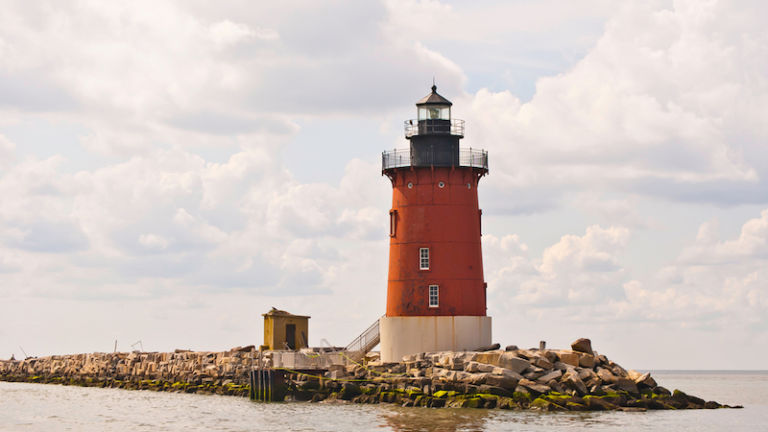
(578, 379)
(549, 380)
(180, 371)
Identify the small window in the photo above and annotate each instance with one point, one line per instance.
(434, 296)
(480, 220)
(392, 222)
(424, 259)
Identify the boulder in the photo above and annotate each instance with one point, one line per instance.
(498, 391)
(533, 387)
(508, 360)
(572, 381)
(461, 376)
(647, 382)
(416, 373)
(349, 390)
(642, 380)
(544, 379)
(586, 374)
(686, 398)
(545, 405)
(550, 355)
(474, 378)
(587, 361)
(569, 358)
(490, 357)
(504, 381)
(506, 372)
(520, 390)
(627, 385)
(474, 366)
(438, 372)
(542, 363)
(582, 345)
(456, 363)
(606, 375)
(444, 360)
(488, 348)
(533, 375)
(617, 370)
(529, 354)
(597, 404)
(556, 386)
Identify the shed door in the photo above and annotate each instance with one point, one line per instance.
(290, 335)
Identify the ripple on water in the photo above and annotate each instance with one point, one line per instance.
(37, 407)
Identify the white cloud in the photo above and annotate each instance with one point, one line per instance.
(227, 33)
(576, 270)
(711, 284)
(651, 109)
(186, 209)
(7, 148)
(173, 216)
(137, 70)
(152, 241)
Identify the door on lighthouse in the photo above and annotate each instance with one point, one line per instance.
(290, 336)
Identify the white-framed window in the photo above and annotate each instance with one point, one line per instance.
(424, 259)
(434, 296)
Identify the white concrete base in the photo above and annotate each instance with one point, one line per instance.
(411, 335)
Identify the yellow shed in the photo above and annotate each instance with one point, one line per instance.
(285, 331)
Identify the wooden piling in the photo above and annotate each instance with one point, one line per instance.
(267, 384)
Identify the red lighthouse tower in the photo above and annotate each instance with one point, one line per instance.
(436, 291)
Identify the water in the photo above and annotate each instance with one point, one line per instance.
(38, 407)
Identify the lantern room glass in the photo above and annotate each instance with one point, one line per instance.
(435, 112)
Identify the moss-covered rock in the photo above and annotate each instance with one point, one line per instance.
(474, 402)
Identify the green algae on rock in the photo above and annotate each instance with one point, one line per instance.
(579, 379)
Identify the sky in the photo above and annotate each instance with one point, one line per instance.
(170, 170)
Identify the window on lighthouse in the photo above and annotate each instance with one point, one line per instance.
(434, 296)
(434, 112)
(424, 259)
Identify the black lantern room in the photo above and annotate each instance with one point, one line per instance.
(434, 135)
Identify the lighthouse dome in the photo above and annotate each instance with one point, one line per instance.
(434, 107)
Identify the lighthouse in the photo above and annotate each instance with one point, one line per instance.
(436, 293)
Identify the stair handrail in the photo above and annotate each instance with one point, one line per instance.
(367, 340)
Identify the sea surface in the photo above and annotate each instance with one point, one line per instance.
(44, 407)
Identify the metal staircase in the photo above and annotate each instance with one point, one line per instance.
(366, 341)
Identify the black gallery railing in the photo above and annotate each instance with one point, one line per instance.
(431, 127)
(399, 158)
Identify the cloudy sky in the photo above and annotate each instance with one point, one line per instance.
(169, 170)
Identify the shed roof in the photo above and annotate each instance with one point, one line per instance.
(277, 312)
